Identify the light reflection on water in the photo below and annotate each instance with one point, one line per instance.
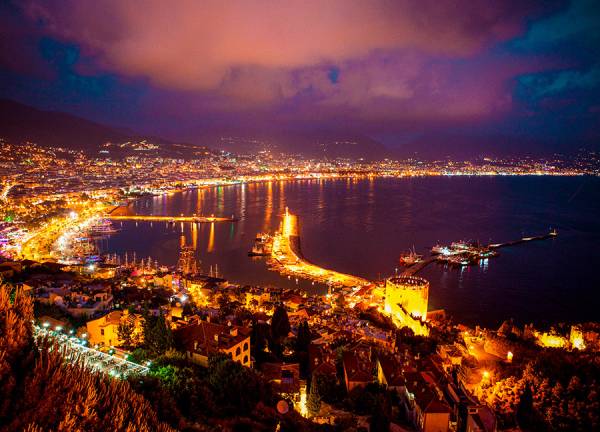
(362, 226)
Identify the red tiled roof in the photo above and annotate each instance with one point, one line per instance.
(201, 337)
(357, 369)
(392, 371)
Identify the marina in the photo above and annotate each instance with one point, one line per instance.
(464, 253)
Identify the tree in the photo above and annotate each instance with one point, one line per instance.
(313, 403)
(302, 344)
(380, 419)
(303, 338)
(225, 308)
(237, 389)
(329, 388)
(40, 391)
(158, 337)
(280, 324)
(125, 332)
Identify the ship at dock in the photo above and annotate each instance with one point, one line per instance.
(102, 228)
(263, 245)
(410, 258)
(463, 253)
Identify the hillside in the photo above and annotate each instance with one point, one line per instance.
(21, 123)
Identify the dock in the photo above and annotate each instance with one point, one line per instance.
(287, 258)
(415, 268)
(172, 219)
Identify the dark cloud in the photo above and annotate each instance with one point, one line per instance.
(393, 68)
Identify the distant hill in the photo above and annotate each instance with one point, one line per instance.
(441, 145)
(21, 123)
(308, 144)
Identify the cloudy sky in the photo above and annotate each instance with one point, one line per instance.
(395, 70)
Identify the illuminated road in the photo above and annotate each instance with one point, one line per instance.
(74, 349)
(288, 260)
(51, 239)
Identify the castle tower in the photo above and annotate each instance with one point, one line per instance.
(409, 294)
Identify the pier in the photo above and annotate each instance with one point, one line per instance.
(288, 259)
(150, 218)
(415, 268)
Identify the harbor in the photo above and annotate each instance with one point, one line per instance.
(462, 253)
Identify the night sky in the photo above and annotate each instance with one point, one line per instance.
(394, 70)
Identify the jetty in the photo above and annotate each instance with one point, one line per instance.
(415, 268)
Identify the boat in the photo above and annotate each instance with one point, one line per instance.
(439, 249)
(460, 246)
(410, 258)
(443, 250)
(485, 253)
(459, 260)
(102, 228)
(262, 245)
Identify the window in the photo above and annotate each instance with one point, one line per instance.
(102, 332)
(245, 359)
(237, 351)
(246, 346)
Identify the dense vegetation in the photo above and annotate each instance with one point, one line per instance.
(39, 391)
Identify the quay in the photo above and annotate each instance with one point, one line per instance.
(126, 212)
(149, 218)
(415, 268)
(551, 234)
(288, 259)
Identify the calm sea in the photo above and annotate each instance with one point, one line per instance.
(362, 226)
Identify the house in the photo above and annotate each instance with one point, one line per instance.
(201, 340)
(358, 367)
(104, 331)
(53, 323)
(426, 406)
(255, 298)
(389, 373)
(321, 360)
(480, 419)
(285, 379)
